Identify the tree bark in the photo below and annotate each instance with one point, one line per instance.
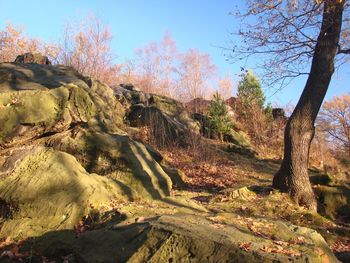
(292, 176)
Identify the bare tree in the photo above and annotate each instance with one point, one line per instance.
(290, 35)
(155, 66)
(195, 72)
(160, 68)
(88, 49)
(226, 87)
(334, 120)
(14, 42)
(128, 72)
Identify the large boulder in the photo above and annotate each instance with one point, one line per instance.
(335, 201)
(33, 58)
(186, 238)
(60, 132)
(198, 105)
(167, 119)
(50, 190)
(37, 100)
(116, 156)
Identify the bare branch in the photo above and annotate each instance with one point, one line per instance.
(344, 51)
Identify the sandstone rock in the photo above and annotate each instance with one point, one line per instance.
(77, 123)
(50, 190)
(118, 157)
(167, 119)
(185, 238)
(51, 100)
(242, 193)
(33, 58)
(129, 86)
(198, 105)
(335, 200)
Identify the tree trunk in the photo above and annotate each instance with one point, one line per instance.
(293, 174)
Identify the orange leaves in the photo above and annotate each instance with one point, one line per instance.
(215, 222)
(245, 246)
(334, 120)
(155, 66)
(160, 68)
(88, 49)
(341, 245)
(14, 42)
(280, 250)
(11, 250)
(226, 87)
(8, 241)
(202, 174)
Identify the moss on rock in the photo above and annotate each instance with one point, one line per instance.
(118, 157)
(41, 99)
(50, 190)
(335, 200)
(183, 238)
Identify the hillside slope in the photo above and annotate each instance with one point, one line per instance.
(74, 184)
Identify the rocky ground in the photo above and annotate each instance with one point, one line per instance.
(80, 182)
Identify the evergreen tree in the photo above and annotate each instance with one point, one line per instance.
(250, 91)
(219, 120)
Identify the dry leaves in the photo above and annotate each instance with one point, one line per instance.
(245, 246)
(341, 245)
(210, 174)
(280, 250)
(81, 226)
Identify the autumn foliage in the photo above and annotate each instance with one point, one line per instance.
(334, 120)
(161, 68)
(14, 41)
(87, 48)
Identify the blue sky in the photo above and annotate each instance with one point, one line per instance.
(202, 24)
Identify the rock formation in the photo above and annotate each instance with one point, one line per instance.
(74, 183)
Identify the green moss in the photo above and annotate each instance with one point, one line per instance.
(51, 191)
(39, 97)
(335, 199)
(81, 104)
(118, 157)
(179, 238)
(166, 105)
(27, 108)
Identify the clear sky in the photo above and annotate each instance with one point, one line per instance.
(202, 24)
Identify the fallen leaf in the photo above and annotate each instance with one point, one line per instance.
(245, 246)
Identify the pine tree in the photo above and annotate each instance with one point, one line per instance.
(249, 90)
(219, 120)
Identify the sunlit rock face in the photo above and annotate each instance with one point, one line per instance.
(60, 132)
